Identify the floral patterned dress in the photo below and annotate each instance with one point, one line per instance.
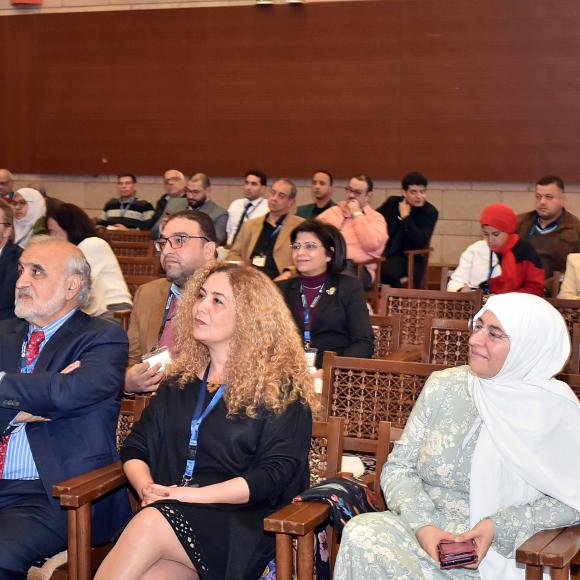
(426, 481)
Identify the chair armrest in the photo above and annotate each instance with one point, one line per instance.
(554, 548)
(89, 487)
(297, 519)
(420, 252)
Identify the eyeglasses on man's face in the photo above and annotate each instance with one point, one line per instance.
(356, 192)
(308, 246)
(494, 333)
(175, 242)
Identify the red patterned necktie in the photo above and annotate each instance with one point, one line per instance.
(33, 346)
(32, 350)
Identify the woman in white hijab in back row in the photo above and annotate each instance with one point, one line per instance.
(490, 453)
(29, 206)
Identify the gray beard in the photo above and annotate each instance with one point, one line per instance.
(33, 312)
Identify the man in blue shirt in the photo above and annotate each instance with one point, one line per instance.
(60, 378)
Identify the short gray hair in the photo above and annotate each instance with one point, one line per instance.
(293, 188)
(76, 265)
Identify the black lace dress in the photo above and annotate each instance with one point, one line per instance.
(269, 452)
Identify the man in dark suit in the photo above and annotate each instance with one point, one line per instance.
(60, 377)
(410, 220)
(9, 254)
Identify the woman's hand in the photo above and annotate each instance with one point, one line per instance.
(428, 538)
(483, 534)
(152, 492)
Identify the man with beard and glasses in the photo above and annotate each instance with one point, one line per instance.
(60, 376)
(187, 242)
(198, 192)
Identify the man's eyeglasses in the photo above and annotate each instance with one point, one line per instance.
(175, 242)
(308, 246)
(20, 203)
(356, 192)
(493, 332)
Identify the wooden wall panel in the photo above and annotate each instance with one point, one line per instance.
(463, 90)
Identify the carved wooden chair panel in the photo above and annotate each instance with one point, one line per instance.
(367, 391)
(126, 235)
(446, 342)
(387, 331)
(569, 309)
(416, 306)
(131, 411)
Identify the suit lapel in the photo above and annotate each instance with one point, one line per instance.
(53, 346)
(11, 346)
(256, 231)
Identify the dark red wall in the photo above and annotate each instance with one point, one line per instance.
(461, 89)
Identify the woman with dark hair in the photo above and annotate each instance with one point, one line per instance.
(329, 307)
(109, 291)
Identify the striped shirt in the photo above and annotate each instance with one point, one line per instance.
(133, 213)
(19, 462)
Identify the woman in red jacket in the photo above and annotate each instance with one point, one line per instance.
(501, 262)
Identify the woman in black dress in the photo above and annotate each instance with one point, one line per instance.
(225, 441)
(329, 307)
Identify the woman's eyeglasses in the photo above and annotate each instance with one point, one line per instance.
(175, 242)
(19, 203)
(494, 333)
(308, 246)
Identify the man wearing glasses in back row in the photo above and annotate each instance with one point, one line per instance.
(187, 242)
(364, 229)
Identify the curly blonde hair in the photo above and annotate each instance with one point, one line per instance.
(266, 367)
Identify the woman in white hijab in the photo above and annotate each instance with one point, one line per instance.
(489, 453)
(29, 206)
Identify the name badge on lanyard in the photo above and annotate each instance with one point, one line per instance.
(196, 421)
(308, 313)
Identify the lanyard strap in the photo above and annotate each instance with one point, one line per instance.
(170, 298)
(307, 311)
(124, 207)
(196, 422)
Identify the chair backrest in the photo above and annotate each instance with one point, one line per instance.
(569, 309)
(135, 249)
(138, 270)
(131, 411)
(417, 305)
(121, 235)
(573, 380)
(387, 435)
(445, 342)
(424, 253)
(372, 294)
(367, 391)
(326, 446)
(573, 365)
(140, 265)
(387, 331)
(557, 279)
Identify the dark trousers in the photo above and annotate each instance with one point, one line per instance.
(395, 267)
(31, 527)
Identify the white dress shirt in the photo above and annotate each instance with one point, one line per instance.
(236, 210)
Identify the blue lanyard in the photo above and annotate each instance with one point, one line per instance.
(196, 422)
(307, 310)
(124, 207)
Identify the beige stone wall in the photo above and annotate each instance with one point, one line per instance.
(51, 6)
(459, 204)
